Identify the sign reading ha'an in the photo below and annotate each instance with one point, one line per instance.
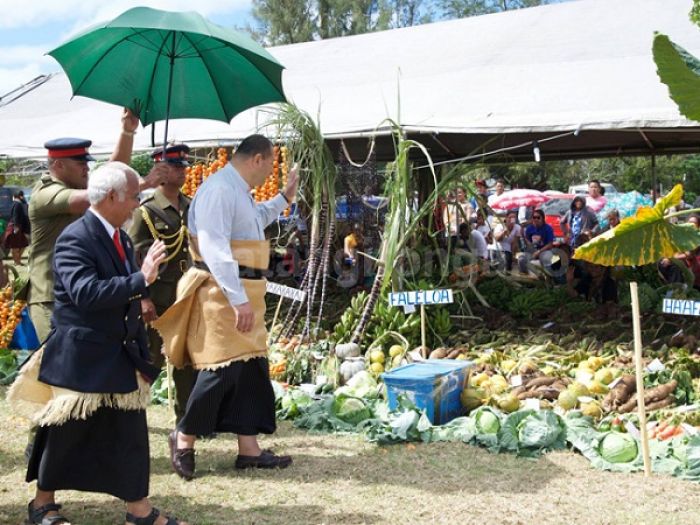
(285, 291)
(681, 307)
(421, 297)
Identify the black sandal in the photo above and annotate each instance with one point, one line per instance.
(38, 515)
(150, 519)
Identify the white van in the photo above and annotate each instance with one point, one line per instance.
(582, 189)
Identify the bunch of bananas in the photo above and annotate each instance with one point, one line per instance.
(387, 318)
(440, 322)
(497, 292)
(351, 316)
(533, 302)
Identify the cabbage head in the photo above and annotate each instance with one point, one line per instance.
(487, 422)
(617, 447)
(351, 410)
(293, 400)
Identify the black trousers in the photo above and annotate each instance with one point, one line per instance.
(107, 453)
(237, 398)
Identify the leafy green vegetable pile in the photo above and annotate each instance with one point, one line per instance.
(525, 432)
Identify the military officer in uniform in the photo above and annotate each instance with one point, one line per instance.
(58, 199)
(163, 216)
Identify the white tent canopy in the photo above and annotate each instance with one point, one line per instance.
(517, 76)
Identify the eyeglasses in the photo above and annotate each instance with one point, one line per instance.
(538, 217)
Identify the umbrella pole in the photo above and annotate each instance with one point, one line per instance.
(170, 90)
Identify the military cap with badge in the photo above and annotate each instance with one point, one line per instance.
(69, 148)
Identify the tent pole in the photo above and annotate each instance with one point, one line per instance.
(653, 178)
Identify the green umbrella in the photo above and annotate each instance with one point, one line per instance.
(166, 65)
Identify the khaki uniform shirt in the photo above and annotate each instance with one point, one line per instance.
(49, 215)
(167, 222)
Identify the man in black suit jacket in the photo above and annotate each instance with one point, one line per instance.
(93, 433)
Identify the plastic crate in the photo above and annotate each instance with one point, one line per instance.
(434, 385)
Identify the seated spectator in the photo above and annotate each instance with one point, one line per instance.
(505, 236)
(539, 239)
(592, 281)
(473, 241)
(613, 217)
(578, 219)
(482, 227)
(672, 269)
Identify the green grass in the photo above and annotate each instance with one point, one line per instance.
(343, 479)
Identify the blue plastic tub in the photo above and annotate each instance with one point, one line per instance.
(434, 385)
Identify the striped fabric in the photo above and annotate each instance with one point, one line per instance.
(237, 398)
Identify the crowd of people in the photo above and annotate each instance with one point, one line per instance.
(521, 242)
(104, 298)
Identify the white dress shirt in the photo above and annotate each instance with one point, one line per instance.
(222, 211)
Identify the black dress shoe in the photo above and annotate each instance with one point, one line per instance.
(265, 460)
(182, 459)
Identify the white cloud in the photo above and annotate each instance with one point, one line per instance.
(25, 13)
(21, 63)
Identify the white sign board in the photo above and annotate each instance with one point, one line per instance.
(420, 297)
(285, 291)
(681, 307)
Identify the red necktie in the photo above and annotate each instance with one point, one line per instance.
(118, 245)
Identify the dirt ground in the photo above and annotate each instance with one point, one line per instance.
(343, 479)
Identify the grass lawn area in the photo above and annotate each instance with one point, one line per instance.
(343, 479)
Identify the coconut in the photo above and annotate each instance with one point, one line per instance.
(395, 350)
(596, 387)
(376, 356)
(604, 375)
(592, 409)
(508, 403)
(567, 399)
(471, 398)
(578, 389)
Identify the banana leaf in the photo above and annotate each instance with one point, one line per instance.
(680, 71)
(644, 238)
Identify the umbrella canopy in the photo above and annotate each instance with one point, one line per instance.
(166, 65)
(516, 198)
(643, 239)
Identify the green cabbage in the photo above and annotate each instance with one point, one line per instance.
(351, 409)
(292, 401)
(487, 422)
(617, 447)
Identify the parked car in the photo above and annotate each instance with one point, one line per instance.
(581, 189)
(554, 209)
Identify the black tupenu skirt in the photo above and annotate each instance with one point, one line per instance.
(237, 398)
(107, 453)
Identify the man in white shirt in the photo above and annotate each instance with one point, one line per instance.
(224, 310)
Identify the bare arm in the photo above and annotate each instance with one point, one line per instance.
(125, 144)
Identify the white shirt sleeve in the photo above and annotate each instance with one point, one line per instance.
(268, 211)
(478, 244)
(214, 239)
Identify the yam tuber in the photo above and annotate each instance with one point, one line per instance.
(620, 393)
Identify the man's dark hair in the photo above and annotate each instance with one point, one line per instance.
(19, 194)
(253, 145)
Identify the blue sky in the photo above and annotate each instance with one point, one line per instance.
(30, 28)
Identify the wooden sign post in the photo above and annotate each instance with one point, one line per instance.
(641, 408)
(410, 299)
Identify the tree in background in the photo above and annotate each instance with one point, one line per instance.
(463, 8)
(283, 22)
